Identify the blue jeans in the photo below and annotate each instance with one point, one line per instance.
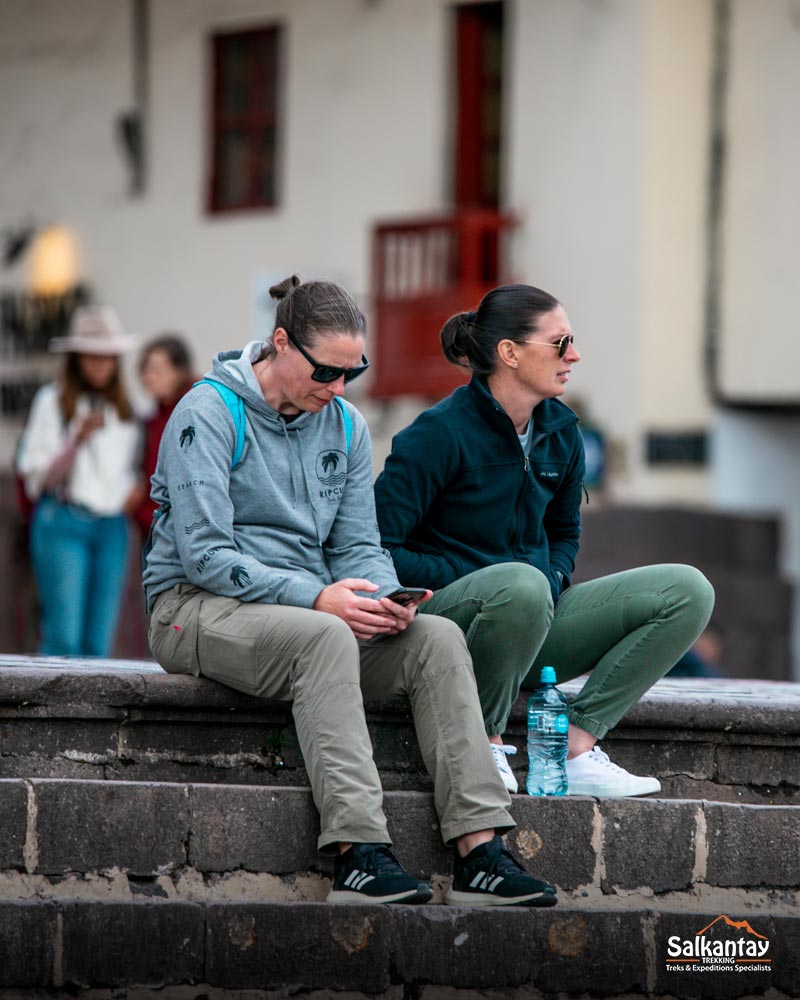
(80, 564)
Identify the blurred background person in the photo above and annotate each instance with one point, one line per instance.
(79, 460)
(165, 370)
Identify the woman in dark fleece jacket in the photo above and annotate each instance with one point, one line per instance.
(480, 500)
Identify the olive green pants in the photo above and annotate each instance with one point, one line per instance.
(313, 660)
(626, 631)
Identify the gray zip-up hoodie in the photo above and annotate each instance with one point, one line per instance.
(296, 514)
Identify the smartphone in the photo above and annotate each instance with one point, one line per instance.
(407, 595)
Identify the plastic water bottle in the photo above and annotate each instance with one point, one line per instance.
(548, 723)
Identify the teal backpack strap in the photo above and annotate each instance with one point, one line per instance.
(235, 405)
(348, 422)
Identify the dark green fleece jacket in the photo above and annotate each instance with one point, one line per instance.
(457, 493)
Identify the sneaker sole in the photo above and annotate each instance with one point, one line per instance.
(456, 898)
(409, 897)
(611, 791)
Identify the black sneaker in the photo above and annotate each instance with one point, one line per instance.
(490, 876)
(370, 873)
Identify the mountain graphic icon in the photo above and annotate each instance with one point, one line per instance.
(739, 925)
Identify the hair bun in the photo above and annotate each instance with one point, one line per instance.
(284, 288)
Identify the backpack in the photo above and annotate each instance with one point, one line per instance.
(235, 405)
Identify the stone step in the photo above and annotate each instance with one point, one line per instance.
(732, 741)
(199, 842)
(435, 952)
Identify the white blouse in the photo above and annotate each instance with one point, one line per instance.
(106, 466)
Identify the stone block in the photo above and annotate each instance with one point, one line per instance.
(589, 953)
(143, 943)
(90, 826)
(51, 767)
(458, 947)
(54, 737)
(635, 833)
(703, 978)
(753, 845)
(13, 823)
(258, 829)
(305, 945)
(183, 691)
(554, 838)
(414, 829)
(27, 943)
(785, 951)
(68, 685)
(194, 737)
(676, 754)
(232, 770)
(769, 766)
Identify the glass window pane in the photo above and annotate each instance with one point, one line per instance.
(233, 181)
(234, 81)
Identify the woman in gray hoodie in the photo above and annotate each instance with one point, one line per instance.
(266, 573)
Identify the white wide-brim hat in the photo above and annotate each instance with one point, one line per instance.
(94, 330)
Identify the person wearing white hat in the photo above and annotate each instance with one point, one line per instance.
(78, 459)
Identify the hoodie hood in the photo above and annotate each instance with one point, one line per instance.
(235, 369)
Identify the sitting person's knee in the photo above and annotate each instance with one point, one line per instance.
(698, 591)
(523, 591)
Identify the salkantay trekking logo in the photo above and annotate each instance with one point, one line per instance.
(187, 436)
(331, 471)
(719, 952)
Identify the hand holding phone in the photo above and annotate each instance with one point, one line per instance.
(407, 595)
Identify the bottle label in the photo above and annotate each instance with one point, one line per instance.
(546, 722)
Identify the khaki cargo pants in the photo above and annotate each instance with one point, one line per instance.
(313, 660)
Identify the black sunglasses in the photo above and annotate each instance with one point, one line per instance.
(329, 373)
(563, 344)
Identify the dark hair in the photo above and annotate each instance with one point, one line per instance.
(308, 308)
(510, 312)
(175, 348)
(72, 384)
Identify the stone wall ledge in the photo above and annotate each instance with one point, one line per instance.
(771, 708)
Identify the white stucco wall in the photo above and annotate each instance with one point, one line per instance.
(760, 348)
(607, 165)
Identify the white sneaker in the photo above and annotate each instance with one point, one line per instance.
(499, 752)
(592, 773)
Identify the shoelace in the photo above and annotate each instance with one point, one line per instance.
(500, 861)
(500, 751)
(601, 757)
(380, 859)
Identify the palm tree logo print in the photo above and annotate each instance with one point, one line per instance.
(332, 467)
(239, 576)
(187, 435)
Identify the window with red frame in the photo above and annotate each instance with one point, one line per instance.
(245, 122)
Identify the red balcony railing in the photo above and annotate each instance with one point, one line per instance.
(423, 271)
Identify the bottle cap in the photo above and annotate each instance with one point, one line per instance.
(548, 675)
